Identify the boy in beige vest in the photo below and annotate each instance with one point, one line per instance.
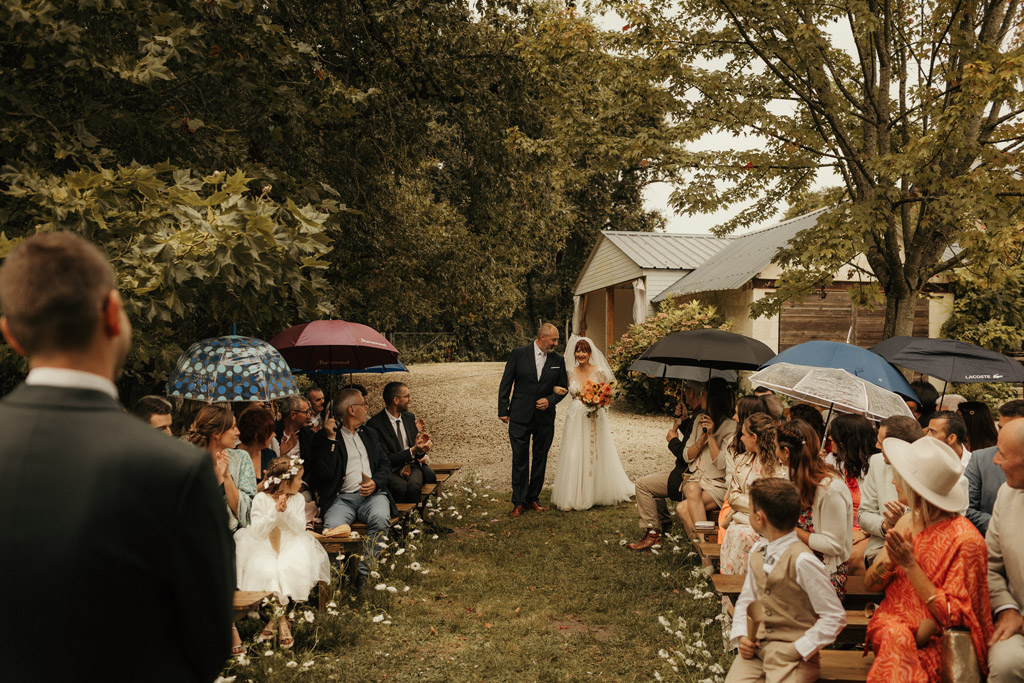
(787, 599)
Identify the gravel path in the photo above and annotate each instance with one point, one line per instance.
(459, 402)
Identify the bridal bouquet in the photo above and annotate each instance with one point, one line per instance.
(597, 395)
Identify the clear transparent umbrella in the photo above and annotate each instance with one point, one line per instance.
(831, 388)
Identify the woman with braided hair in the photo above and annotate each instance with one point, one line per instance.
(759, 437)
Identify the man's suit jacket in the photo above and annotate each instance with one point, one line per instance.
(331, 461)
(306, 452)
(117, 558)
(1005, 553)
(520, 380)
(399, 455)
(984, 478)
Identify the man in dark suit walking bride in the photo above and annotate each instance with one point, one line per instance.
(536, 380)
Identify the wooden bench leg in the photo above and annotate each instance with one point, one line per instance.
(322, 594)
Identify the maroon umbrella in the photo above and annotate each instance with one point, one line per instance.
(333, 346)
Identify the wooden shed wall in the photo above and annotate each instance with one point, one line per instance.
(830, 319)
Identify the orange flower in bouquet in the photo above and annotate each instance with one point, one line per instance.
(597, 395)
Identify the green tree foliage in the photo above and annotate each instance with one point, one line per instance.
(915, 106)
(418, 166)
(989, 305)
(649, 393)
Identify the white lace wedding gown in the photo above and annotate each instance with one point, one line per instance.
(589, 470)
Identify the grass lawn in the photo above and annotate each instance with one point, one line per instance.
(546, 597)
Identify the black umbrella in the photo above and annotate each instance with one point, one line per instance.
(707, 348)
(950, 360)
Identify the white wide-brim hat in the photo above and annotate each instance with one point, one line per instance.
(931, 468)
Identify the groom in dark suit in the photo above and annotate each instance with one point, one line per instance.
(117, 557)
(531, 375)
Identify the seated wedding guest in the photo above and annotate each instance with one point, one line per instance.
(853, 443)
(353, 474)
(100, 510)
(315, 397)
(156, 410)
(981, 426)
(879, 508)
(951, 402)
(707, 451)
(295, 440)
(933, 568)
(214, 429)
(950, 429)
(759, 437)
(826, 517)
(775, 407)
(404, 444)
(984, 476)
(653, 489)
(1006, 561)
(763, 392)
(736, 457)
(929, 396)
(787, 593)
(255, 431)
(811, 415)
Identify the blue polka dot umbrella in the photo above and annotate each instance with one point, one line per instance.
(231, 368)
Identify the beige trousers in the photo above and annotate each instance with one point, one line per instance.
(775, 661)
(651, 492)
(1006, 660)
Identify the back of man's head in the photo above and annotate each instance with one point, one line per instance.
(147, 406)
(1014, 408)
(902, 427)
(53, 289)
(778, 499)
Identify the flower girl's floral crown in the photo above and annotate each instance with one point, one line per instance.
(293, 471)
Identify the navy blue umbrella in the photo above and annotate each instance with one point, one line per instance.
(950, 360)
(232, 368)
(857, 361)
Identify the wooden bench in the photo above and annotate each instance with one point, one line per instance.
(845, 666)
(244, 601)
(730, 585)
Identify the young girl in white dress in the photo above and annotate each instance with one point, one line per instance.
(589, 470)
(275, 553)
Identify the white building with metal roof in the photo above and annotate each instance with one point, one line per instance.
(628, 274)
(625, 270)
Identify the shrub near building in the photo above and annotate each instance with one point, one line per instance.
(645, 393)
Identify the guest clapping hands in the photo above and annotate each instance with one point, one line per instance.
(933, 567)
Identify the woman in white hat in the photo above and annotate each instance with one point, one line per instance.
(933, 568)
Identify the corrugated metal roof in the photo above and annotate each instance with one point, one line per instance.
(666, 250)
(743, 257)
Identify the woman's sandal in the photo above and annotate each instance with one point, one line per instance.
(285, 642)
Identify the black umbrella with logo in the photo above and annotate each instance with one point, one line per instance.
(950, 360)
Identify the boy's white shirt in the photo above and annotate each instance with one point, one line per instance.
(813, 580)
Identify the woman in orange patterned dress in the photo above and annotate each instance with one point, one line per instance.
(933, 568)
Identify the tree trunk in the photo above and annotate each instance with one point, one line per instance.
(899, 314)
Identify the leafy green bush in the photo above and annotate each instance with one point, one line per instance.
(994, 394)
(645, 393)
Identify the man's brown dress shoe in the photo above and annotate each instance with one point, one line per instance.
(650, 539)
(535, 506)
(516, 511)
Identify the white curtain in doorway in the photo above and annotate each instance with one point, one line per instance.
(577, 311)
(639, 301)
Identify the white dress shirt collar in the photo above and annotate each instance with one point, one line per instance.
(70, 379)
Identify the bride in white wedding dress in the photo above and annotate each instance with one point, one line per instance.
(589, 471)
